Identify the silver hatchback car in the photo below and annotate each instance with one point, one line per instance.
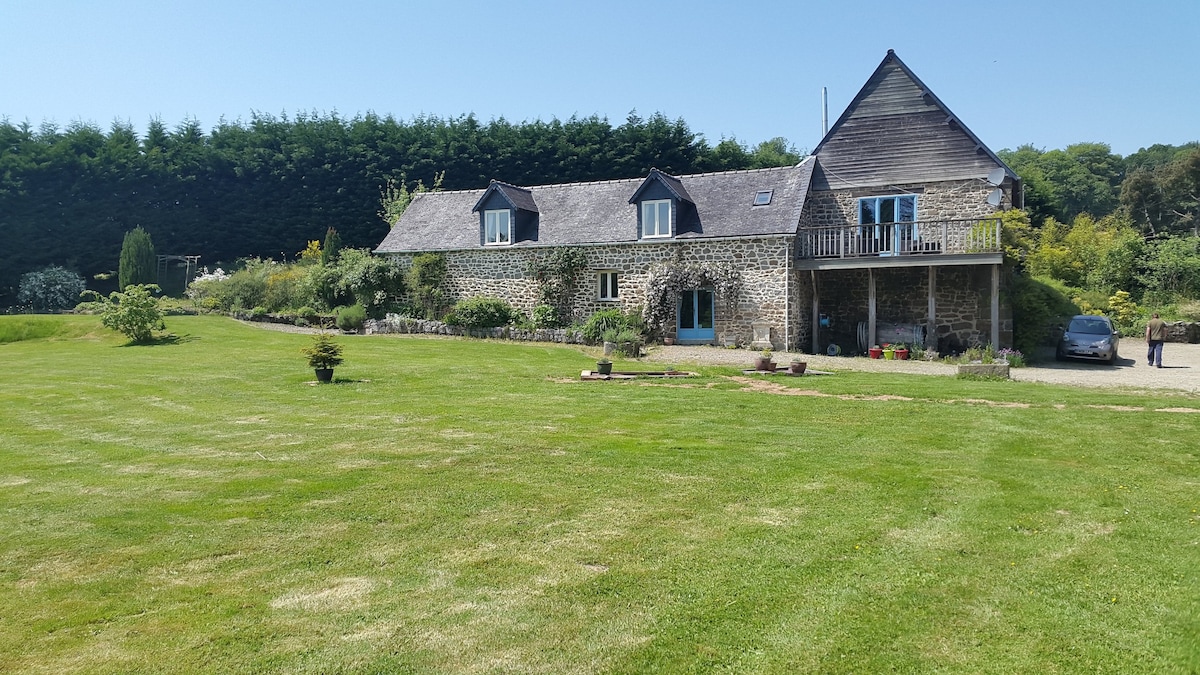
(1089, 337)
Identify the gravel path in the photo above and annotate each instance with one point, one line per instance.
(1180, 371)
(1181, 364)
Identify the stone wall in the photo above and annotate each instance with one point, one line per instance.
(949, 200)
(764, 264)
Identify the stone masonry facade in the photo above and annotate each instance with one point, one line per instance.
(947, 200)
(962, 293)
(961, 297)
(767, 284)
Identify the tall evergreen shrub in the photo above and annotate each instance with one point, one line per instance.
(139, 265)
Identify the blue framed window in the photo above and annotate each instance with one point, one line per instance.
(885, 224)
(656, 218)
(892, 209)
(497, 227)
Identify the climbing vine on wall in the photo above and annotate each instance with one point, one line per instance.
(668, 281)
(556, 273)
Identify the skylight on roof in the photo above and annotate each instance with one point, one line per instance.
(763, 197)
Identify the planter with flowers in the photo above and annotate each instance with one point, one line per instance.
(764, 362)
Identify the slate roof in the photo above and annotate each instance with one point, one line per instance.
(600, 212)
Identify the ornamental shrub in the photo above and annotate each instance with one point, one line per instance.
(546, 316)
(368, 280)
(50, 289)
(628, 341)
(612, 319)
(350, 318)
(481, 312)
(134, 312)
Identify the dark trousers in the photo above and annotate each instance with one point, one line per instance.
(1154, 353)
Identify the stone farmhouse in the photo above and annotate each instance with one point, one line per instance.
(887, 232)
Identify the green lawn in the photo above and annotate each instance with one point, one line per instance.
(469, 506)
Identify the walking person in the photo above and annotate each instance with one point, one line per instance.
(1156, 333)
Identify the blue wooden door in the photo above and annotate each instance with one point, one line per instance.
(696, 315)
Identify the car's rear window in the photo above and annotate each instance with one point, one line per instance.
(1089, 326)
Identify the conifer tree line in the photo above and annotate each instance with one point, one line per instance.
(268, 186)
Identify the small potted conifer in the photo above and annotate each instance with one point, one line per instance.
(604, 366)
(323, 356)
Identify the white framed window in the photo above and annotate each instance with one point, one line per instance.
(497, 227)
(608, 285)
(656, 218)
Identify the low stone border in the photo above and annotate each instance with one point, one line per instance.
(984, 369)
(1181, 331)
(399, 324)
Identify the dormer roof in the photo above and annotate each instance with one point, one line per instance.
(517, 197)
(672, 183)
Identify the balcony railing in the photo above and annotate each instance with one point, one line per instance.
(925, 237)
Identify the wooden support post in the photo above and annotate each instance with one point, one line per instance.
(816, 314)
(931, 320)
(870, 307)
(995, 307)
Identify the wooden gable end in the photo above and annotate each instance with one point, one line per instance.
(896, 131)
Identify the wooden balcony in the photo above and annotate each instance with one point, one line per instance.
(920, 243)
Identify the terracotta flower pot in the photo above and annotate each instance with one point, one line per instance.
(902, 354)
(797, 368)
(764, 365)
(875, 352)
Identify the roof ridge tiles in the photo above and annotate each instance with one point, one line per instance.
(511, 185)
(638, 179)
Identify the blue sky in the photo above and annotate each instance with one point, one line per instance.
(1043, 72)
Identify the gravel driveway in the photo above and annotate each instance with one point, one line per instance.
(1180, 371)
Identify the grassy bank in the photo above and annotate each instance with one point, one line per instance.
(453, 505)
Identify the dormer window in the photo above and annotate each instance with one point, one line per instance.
(656, 218)
(497, 227)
